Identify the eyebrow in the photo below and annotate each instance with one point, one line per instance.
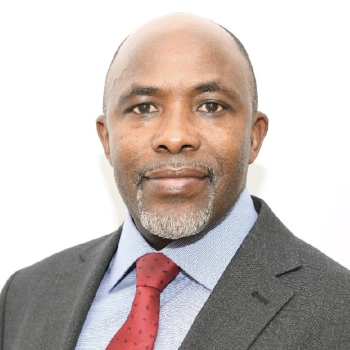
(140, 91)
(210, 86)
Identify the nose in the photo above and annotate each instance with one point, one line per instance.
(176, 132)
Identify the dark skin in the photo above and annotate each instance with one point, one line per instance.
(179, 92)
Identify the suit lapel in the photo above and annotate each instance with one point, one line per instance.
(248, 295)
(63, 300)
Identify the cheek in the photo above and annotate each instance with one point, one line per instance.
(127, 151)
(229, 142)
(123, 145)
(231, 150)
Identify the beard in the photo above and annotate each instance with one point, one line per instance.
(176, 225)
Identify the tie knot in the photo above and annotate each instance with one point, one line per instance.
(155, 270)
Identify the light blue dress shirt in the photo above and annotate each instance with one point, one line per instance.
(202, 258)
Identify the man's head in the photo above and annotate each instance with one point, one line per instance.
(180, 125)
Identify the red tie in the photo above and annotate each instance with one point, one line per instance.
(154, 271)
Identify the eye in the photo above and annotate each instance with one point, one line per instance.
(145, 108)
(210, 107)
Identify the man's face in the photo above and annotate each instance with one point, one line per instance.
(178, 130)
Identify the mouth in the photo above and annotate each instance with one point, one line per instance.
(183, 180)
(176, 173)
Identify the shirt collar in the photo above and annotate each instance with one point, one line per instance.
(204, 256)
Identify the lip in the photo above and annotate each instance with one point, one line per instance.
(176, 173)
(184, 181)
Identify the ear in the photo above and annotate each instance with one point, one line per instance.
(260, 124)
(102, 130)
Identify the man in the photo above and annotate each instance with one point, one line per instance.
(180, 127)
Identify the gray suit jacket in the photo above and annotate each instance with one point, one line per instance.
(277, 293)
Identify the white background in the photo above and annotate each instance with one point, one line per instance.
(56, 188)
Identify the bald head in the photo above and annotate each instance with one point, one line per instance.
(176, 28)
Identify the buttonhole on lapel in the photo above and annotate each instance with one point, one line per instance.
(261, 298)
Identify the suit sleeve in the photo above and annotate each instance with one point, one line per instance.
(3, 297)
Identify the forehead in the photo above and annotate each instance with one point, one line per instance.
(176, 56)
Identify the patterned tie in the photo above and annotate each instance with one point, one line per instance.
(154, 271)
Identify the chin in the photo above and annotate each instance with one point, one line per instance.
(177, 224)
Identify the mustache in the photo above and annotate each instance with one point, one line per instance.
(175, 165)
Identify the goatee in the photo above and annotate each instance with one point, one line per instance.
(176, 225)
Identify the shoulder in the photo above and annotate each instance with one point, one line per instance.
(277, 246)
(277, 236)
(56, 283)
(324, 281)
(322, 295)
(60, 260)
(320, 307)
(56, 263)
